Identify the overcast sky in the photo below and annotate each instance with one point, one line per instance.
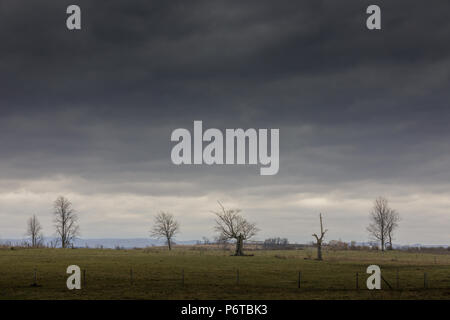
(88, 114)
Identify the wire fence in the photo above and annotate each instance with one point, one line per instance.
(391, 279)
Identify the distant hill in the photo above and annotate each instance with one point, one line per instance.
(124, 243)
(128, 243)
(109, 243)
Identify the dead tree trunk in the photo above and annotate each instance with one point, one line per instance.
(389, 244)
(239, 245)
(169, 243)
(319, 250)
(319, 239)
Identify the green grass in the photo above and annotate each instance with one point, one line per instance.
(211, 274)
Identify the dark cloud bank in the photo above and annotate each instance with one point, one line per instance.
(360, 113)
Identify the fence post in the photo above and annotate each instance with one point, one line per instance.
(299, 279)
(182, 277)
(35, 278)
(425, 280)
(398, 280)
(357, 282)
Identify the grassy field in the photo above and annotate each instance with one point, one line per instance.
(212, 274)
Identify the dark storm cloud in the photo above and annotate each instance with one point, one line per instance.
(99, 104)
(173, 56)
(140, 64)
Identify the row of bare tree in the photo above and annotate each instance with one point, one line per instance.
(65, 220)
(230, 225)
(383, 223)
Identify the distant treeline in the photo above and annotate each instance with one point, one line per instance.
(278, 243)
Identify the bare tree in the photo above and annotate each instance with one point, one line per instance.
(319, 239)
(276, 243)
(392, 224)
(166, 227)
(222, 243)
(65, 221)
(384, 221)
(205, 240)
(34, 231)
(231, 225)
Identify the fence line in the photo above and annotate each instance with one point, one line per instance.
(134, 277)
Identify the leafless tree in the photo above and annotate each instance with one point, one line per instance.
(53, 243)
(392, 224)
(231, 225)
(65, 221)
(166, 227)
(319, 239)
(384, 221)
(276, 243)
(34, 231)
(222, 243)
